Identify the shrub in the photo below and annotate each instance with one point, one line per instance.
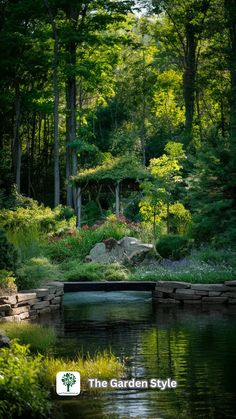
(8, 253)
(65, 213)
(7, 282)
(26, 226)
(80, 245)
(38, 337)
(94, 271)
(20, 392)
(36, 270)
(173, 246)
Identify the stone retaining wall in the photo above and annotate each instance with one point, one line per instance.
(31, 303)
(172, 292)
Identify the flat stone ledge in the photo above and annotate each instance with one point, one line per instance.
(173, 284)
(40, 305)
(209, 287)
(231, 283)
(25, 296)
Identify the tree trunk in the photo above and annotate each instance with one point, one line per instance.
(17, 150)
(71, 155)
(56, 108)
(230, 11)
(78, 206)
(117, 199)
(56, 123)
(189, 79)
(168, 218)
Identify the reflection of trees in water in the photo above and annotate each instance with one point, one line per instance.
(197, 351)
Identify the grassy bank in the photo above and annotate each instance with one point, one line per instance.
(28, 371)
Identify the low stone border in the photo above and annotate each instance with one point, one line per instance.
(173, 292)
(31, 303)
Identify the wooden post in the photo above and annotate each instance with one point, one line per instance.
(118, 199)
(78, 215)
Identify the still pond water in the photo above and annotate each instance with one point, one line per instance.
(194, 346)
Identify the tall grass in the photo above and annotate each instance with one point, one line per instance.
(38, 337)
(36, 270)
(102, 366)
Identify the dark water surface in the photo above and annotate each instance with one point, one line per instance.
(194, 346)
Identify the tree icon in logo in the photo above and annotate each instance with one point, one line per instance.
(68, 380)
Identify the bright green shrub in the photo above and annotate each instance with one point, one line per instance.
(75, 270)
(36, 270)
(21, 395)
(7, 281)
(173, 246)
(8, 253)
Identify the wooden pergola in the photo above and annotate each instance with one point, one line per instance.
(111, 173)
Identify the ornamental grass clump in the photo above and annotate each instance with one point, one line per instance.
(102, 366)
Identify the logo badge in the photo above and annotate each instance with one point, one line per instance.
(68, 383)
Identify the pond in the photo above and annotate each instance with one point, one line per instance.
(194, 346)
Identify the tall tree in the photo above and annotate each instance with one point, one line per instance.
(56, 105)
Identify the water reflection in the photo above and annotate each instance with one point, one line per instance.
(194, 346)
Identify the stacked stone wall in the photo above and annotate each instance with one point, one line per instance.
(31, 303)
(173, 292)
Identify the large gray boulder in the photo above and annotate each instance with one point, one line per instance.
(125, 250)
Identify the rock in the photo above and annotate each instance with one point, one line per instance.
(214, 300)
(8, 299)
(157, 294)
(209, 287)
(40, 305)
(5, 307)
(229, 294)
(125, 250)
(203, 293)
(232, 301)
(24, 296)
(186, 294)
(41, 292)
(14, 318)
(164, 289)
(44, 310)
(49, 297)
(33, 313)
(231, 283)
(27, 302)
(20, 310)
(55, 307)
(172, 284)
(56, 300)
(24, 315)
(4, 341)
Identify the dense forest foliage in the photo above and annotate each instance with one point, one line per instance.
(84, 83)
